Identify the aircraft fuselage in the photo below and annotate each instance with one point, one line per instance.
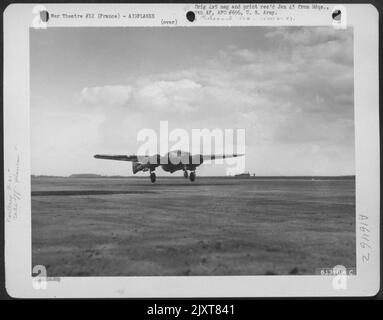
(176, 167)
(171, 162)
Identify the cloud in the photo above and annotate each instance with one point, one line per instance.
(143, 95)
(320, 42)
(107, 95)
(293, 94)
(174, 96)
(308, 36)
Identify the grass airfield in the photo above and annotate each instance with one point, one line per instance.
(213, 226)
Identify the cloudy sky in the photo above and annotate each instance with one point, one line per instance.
(290, 88)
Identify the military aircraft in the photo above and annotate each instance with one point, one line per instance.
(170, 162)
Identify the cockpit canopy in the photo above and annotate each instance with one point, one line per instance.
(178, 153)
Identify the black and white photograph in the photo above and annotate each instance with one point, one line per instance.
(284, 205)
(161, 143)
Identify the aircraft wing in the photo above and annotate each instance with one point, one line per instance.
(220, 156)
(132, 158)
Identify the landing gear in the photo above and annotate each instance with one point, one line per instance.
(192, 176)
(186, 175)
(152, 177)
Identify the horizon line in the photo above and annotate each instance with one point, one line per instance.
(73, 175)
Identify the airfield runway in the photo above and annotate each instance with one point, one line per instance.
(213, 226)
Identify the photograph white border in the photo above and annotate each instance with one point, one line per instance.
(18, 18)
